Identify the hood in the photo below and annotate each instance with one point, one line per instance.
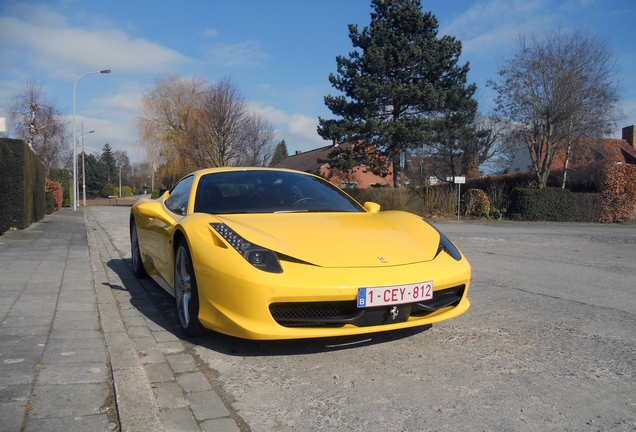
(341, 239)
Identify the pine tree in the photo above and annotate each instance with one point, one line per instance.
(109, 164)
(279, 154)
(402, 87)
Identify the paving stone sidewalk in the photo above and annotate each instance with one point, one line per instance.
(82, 346)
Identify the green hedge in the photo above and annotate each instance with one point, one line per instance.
(587, 207)
(25, 175)
(6, 185)
(548, 204)
(49, 204)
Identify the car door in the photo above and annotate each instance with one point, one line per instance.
(176, 206)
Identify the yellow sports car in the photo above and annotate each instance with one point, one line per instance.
(279, 254)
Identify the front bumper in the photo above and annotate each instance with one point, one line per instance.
(239, 300)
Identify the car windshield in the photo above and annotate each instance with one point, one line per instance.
(254, 191)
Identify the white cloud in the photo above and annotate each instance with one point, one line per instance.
(298, 130)
(60, 49)
(487, 28)
(124, 103)
(241, 54)
(210, 33)
(120, 136)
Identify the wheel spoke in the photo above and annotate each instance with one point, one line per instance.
(135, 247)
(183, 287)
(185, 299)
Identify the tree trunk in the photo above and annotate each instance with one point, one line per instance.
(396, 171)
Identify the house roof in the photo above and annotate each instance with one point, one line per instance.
(608, 149)
(310, 161)
(616, 150)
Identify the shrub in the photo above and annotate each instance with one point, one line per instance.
(56, 189)
(547, 204)
(476, 203)
(155, 194)
(619, 194)
(439, 200)
(126, 191)
(109, 190)
(64, 178)
(494, 213)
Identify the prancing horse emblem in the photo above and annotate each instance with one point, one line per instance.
(382, 259)
(394, 312)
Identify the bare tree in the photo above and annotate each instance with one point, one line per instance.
(222, 121)
(461, 150)
(186, 126)
(41, 125)
(166, 125)
(554, 90)
(122, 162)
(258, 147)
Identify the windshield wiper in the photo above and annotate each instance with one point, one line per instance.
(325, 210)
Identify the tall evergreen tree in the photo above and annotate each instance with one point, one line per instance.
(95, 174)
(110, 164)
(279, 154)
(402, 87)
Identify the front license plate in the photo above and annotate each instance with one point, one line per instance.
(392, 295)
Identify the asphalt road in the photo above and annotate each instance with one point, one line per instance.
(548, 344)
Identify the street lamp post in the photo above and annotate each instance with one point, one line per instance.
(74, 139)
(120, 167)
(84, 165)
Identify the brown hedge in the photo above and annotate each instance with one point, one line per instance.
(56, 189)
(619, 194)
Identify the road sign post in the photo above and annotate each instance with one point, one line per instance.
(459, 181)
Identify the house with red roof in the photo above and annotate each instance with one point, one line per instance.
(317, 162)
(586, 151)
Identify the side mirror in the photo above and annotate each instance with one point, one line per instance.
(154, 210)
(371, 207)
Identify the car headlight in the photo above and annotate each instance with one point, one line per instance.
(260, 257)
(446, 245)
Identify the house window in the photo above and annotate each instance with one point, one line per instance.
(378, 185)
(348, 184)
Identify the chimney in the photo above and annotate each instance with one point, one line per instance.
(628, 134)
(298, 152)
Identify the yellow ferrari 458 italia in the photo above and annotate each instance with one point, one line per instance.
(278, 254)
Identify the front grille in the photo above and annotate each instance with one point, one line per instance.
(339, 313)
(314, 312)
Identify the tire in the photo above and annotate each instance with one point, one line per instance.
(137, 264)
(186, 293)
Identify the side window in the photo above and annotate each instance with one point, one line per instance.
(177, 202)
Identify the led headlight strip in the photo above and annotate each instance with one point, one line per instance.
(260, 257)
(446, 245)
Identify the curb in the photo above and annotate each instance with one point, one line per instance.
(136, 404)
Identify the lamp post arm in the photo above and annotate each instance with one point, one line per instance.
(75, 137)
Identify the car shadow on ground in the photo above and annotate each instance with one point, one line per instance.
(163, 313)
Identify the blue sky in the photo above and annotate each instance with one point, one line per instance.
(279, 52)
